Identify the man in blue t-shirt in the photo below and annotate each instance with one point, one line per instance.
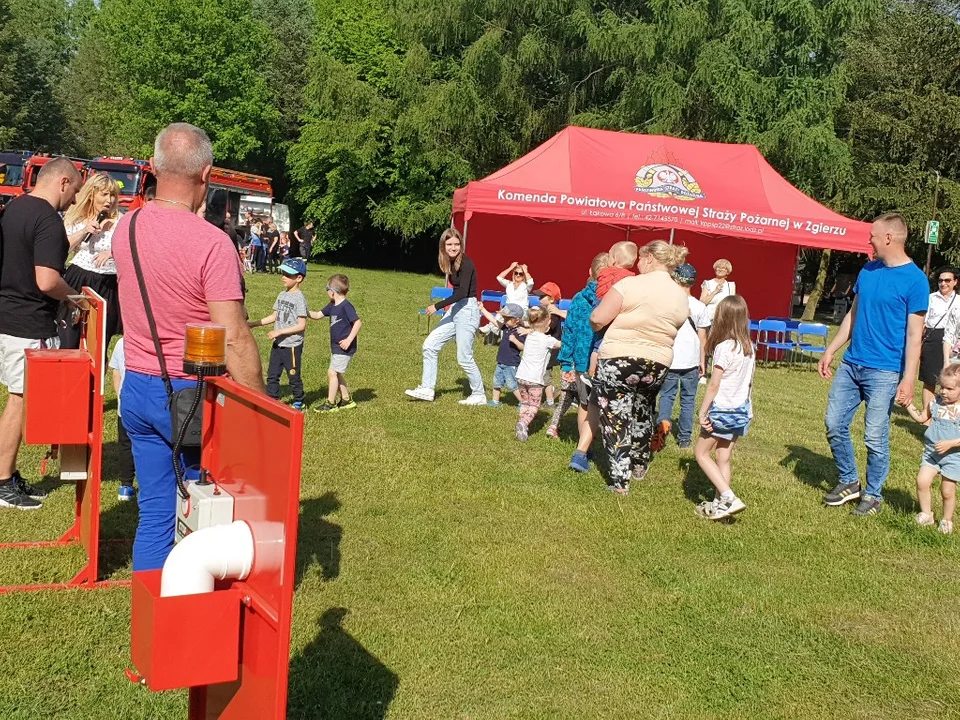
(884, 327)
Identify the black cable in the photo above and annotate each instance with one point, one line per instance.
(178, 471)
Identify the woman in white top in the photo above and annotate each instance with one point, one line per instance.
(943, 306)
(517, 284)
(718, 287)
(90, 223)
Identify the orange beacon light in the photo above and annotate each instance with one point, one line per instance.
(205, 350)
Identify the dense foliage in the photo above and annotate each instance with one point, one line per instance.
(373, 111)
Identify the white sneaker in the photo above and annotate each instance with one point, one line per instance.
(925, 519)
(421, 393)
(727, 509)
(946, 527)
(475, 399)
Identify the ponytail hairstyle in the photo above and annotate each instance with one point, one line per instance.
(538, 319)
(670, 256)
(732, 322)
(446, 265)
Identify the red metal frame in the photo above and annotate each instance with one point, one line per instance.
(86, 521)
(264, 480)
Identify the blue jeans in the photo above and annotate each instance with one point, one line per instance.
(852, 385)
(146, 416)
(461, 322)
(686, 381)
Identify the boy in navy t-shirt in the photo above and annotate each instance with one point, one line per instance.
(508, 356)
(344, 326)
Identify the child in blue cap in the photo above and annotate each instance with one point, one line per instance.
(289, 320)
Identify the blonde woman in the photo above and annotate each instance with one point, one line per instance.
(461, 322)
(718, 287)
(90, 223)
(644, 313)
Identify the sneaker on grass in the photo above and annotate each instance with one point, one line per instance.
(727, 508)
(946, 527)
(925, 519)
(297, 406)
(552, 432)
(349, 405)
(707, 507)
(842, 493)
(325, 407)
(474, 399)
(126, 493)
(421, 393)
(494, 403)
(31, 491)
(579, 462)
(868, 506)
(12, 497)
(521, 432)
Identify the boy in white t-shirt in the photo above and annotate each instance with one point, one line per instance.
(687, 367)
(533, 366)
(127, 472)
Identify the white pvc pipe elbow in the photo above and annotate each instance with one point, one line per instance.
(205, 556)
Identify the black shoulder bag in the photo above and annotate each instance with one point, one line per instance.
(186, 414)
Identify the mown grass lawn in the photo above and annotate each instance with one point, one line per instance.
(450, 572)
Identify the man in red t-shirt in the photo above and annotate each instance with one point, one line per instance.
(193, 275)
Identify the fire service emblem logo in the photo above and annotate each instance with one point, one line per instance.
(667, 181)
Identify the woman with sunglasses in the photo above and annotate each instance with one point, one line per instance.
(517, 284)
(939, 331)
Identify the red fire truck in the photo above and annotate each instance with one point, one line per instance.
(138, 185)
(12, 164)
(36, 161)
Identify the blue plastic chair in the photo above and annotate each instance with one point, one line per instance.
(564, 304)
(780, 341)
(754, 331)
(533, 301)
(817, 331)
(436, 293)
(497, 296)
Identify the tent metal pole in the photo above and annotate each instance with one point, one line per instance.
(671, 236)
(466, 224)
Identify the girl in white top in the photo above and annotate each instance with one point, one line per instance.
(517, 284)
(717, 288)
(726, 411)
(533, 366)
(90, 223)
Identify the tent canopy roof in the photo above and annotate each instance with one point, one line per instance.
(654, 181)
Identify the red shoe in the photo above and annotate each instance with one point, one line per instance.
(660, 435)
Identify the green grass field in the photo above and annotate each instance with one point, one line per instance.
(450, 572)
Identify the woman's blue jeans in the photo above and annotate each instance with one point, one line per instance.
(853, 385)
(461, 322)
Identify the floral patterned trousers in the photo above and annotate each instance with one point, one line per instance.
(627, 397)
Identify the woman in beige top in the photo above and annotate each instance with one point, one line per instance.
(643, 313)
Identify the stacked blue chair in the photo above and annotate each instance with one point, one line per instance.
(564, 304)
(436, 294)
(780, 342)
(494, 296)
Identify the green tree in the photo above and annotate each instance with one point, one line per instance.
(902, 120)
(141, 65)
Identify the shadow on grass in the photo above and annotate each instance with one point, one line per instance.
(320, 395)
(911, 426)
(318, 540)
(819, 472)
(336, 677)
(696, 486)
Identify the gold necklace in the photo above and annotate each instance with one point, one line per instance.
(177, 202)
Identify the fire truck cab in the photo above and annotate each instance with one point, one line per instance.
(12, 163)
(135, 178)
(37, 160)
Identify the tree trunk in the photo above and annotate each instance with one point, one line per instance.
(817, 292)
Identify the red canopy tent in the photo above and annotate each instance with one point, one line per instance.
(583, 190)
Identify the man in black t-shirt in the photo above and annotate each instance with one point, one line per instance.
(304, 238)
(31, 288)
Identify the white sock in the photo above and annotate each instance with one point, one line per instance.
(727, 495)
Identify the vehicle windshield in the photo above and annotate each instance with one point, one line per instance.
(128, 180)
(11, 174)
